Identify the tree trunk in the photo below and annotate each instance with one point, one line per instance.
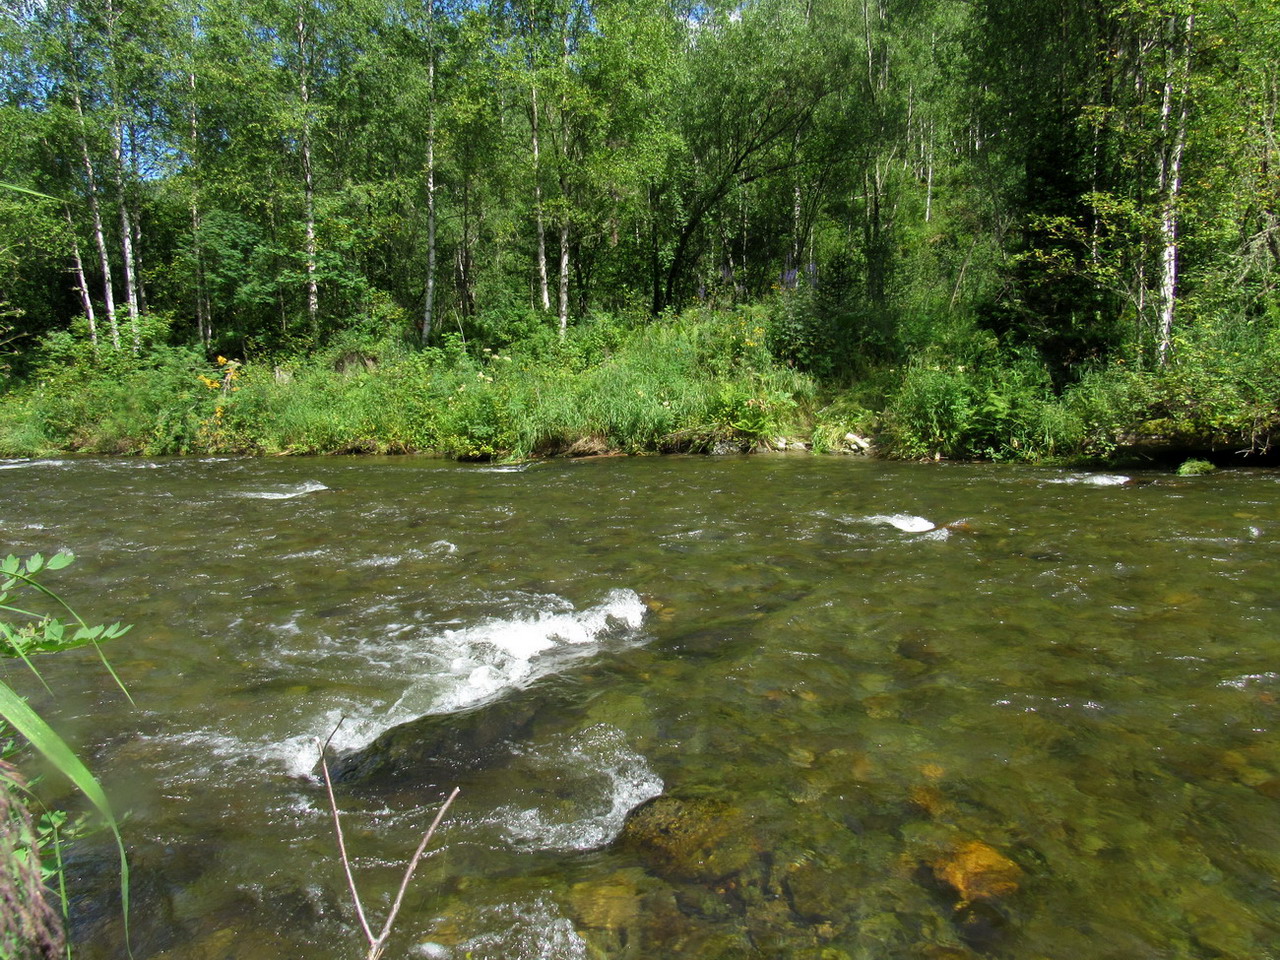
(428, 313)
(1170, 187)
(99, 234)
(82, 285)
(140, 274)
(564, 275)
(797, 247)
(928, 170)
(204, 321)
(464, 256)
(126, 237)
(543, 292)
(308, 182)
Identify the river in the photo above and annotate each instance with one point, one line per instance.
(887, 710)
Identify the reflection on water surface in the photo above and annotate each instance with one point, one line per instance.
(758, 707)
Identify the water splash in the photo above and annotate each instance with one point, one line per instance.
(462, 668)
(905, 522)
(285, 492)
(599, 779)
(528, 930)
(20, 464)
(1093, 479)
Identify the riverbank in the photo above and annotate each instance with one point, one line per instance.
(706, 381)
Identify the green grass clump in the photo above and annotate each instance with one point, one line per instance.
(1195, 468)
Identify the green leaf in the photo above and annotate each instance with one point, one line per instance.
(54, 749)
(32, 193)
(35, 563)
(60, 560)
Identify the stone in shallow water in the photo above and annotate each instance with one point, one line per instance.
(612, 904)
(978, 871)
(700, 839)
(442, 745)
(981, 925)
(817, 893)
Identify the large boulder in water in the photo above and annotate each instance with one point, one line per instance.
(443, 745)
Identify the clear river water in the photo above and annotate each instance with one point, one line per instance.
(774, 706)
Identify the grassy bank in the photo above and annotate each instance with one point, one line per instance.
(704, 381)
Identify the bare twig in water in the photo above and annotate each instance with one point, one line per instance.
(379, 943)
(337, 828)
(376, 949)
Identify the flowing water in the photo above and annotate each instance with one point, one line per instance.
(888, 710)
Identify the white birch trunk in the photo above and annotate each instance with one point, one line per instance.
(308, 182)
(204, 313)
(796, 245)
(126, 238)
(82, 284)
(204, 326)
(928, 174)
(1170, 187)
(428, 314)
(543, 292)
(99, 234)
(564, 275)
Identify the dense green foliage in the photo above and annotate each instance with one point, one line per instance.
(1009, 229)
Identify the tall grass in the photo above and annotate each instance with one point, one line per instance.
(683, 383)
(704, 380)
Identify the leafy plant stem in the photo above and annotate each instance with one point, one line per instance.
(41, 736)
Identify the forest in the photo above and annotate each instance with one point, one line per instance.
(1000, 229)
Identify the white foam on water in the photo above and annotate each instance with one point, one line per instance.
(461, 668)
(308, 554)
(287, 492)
(132, 464)
(19, 464)
(1249, 680)
(615, 779)
(197, 758)
(389, 559)
(441, 548)
(529, 930)
(444, 672)
(905, 522)
(1093, 479)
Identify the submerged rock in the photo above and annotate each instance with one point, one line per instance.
(981, 925)
(611, 904)
(699, 839)
(978, 871)
(422, 749)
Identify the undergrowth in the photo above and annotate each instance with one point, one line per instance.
(706, 380)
